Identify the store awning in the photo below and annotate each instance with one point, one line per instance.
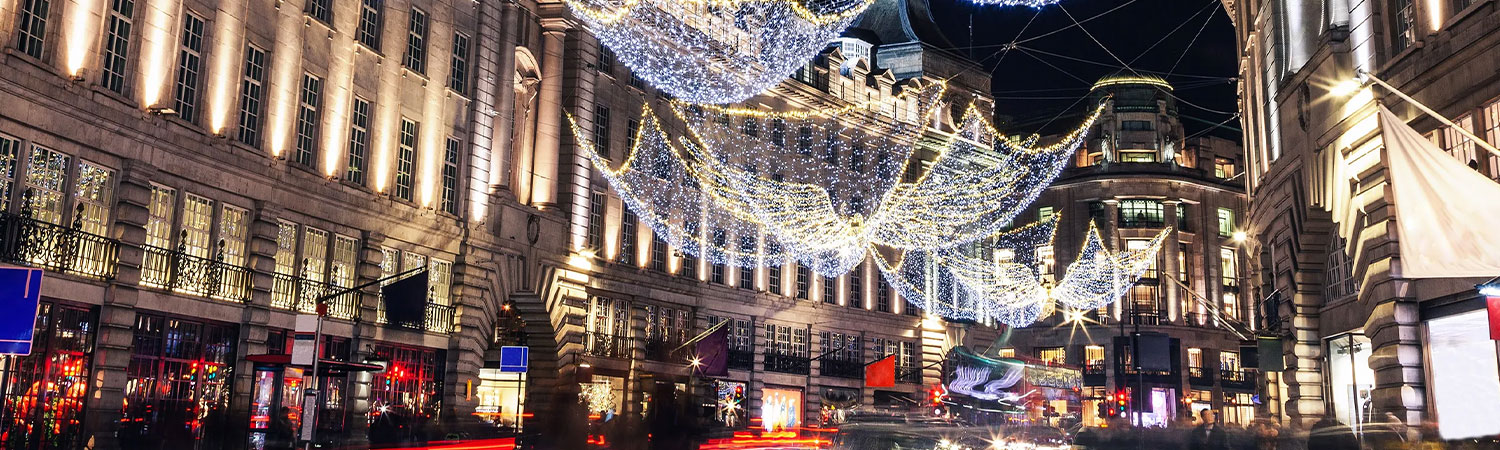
(323, 364)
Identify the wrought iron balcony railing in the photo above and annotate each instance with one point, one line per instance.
(1200, 376)
(436, 318)
(301, 295)
(181, 272)
(839, 368)
(35, 243)
(741, 359)
(666, 350)
(1093, 368)
(796, 365)
(606, 345)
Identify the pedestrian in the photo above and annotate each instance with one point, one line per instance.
(1209, 435)
(1266, 433)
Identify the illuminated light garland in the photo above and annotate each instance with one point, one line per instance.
(1038, 4)
(715, 51)
(973, 283)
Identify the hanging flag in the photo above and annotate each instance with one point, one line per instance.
(881, 373)
(1445, 212)
(712, 354)
(406, 300)
(1492, 303)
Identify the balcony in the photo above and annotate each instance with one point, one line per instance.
(839, 368)
(30, 242)
(741, 359)
(177, 271)
(436, 318)
(606, 345)
(1093, 373)
(1238, 379)
(909, 374)
(1139, 222)
(1200, 376)
(667, 350)
(301, 295)
(796, 365)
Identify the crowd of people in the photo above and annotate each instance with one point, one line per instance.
(1206, 432)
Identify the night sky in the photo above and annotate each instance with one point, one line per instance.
(1053, 65)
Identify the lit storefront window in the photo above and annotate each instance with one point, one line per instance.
(1350, 380)
(729, 408)
(502, 398)
(407, 395)
(780, 409)
(1464, 376)
(45, 391)
(178, 384)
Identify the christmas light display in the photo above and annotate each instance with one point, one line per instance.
(1037, 4)
(716, 51)
(751, 188)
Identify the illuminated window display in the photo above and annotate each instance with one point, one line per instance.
(178, 383)
(780, 409)
(1464, 377)
(502, 398)
(1350, 380)
(407, 395)
(45, 391)
(730, 408)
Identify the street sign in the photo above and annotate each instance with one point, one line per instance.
(20, 292)
(305, 340)
(514, 359)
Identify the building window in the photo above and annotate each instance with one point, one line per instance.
(830, 290)
(778, 132)
(1405, 24)
(658, 253)
(189, 62)
(1491, 116)
(308, 119)
(32, 28)
(406, 155)
(601, 130)
(370, 18)
(690, 262)
(632, 128)
(1098, 213)
(747, 271)
(773, 279)
(411, 385)
(627, 238)
(804, 140)
(449, 198)
(458, 71)
(183, 366)
(803, 279)
(251, 87)
(1141, 214)
(752, 128)
(716, 268)
(1223, 168)
(117, 45)
(637, 82)
(1182, 264)
(320, 10)
(359, 141)
(882, 296)
(46, 180)
(1458, 145)
(416, 42)
(1054, 355)
(1137, 125)
(1338, 278)
(857, 287)
(595, 236)
(1226, 222)
(606, 60)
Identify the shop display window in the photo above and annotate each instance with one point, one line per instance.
(178, 384)
(46, 390)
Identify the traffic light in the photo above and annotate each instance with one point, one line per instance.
(1122, 402)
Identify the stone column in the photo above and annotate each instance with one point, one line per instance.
(549, 120)
(574, 168)
(475, 309)
(1174, 295)
(260, 254)
(1304, 357)
(116, 335)
(366, 269)
(504, 97)
(1395, 333)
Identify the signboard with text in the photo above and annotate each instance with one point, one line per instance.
(20, 296)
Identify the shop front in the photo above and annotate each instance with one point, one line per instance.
(278, 389)
(837, 403)
(44, 392)
(1463, 375)
(178, 384)
(780, 408)
(1351, 382)
(406, 397)
(729, 404)
(502, 399)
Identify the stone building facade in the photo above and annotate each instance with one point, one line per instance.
(194, 173)
(1139, 173)
(1360, 339)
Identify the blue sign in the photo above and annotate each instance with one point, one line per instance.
(20, 291)
(513, 359)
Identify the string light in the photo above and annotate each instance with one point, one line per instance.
(715, 51)
(1038, 4)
